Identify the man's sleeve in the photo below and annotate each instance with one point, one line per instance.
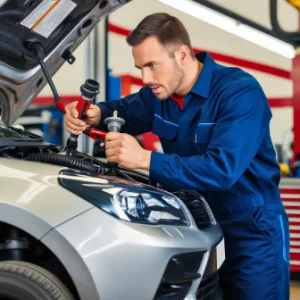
(241, 126)
(136, 109)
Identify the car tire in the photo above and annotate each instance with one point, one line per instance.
(25, 281)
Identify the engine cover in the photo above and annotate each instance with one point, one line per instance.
(59, 25)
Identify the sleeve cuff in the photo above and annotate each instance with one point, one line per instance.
(157, 162)
(105, 113)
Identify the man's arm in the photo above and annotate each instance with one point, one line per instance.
(137, 110)
(242, 124)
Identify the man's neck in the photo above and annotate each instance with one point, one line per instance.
(191, 76)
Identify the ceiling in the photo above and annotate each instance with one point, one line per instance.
(258, 11)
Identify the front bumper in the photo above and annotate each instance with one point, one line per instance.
(111, 259)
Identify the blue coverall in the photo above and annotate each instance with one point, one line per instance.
(219, 144)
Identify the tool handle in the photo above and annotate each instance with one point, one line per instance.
(82, 106)
(94, 133)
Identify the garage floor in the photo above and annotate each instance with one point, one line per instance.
(295, 290)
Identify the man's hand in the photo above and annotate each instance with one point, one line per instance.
(126, 151)
(77, 126)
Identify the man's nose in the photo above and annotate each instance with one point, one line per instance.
(147, 77)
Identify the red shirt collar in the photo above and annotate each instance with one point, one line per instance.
(179, 100)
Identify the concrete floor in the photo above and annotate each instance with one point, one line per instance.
(295, 290)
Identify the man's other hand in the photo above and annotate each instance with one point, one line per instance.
(125, 150)
(77, 126)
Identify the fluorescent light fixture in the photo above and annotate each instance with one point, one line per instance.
(223, 22)
(2, 2)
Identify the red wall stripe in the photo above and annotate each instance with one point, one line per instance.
(48, 100)
(250, 65)
(280, 102)
(223, 57)
(296, 104)
(274, 102)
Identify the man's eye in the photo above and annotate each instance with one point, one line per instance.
(151, 66)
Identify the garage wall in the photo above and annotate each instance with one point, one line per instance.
(210, 38)
(205, 37)
(69, 78)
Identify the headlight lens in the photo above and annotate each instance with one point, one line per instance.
(136, 203)
(149, 207)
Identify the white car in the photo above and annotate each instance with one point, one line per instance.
(71, 226)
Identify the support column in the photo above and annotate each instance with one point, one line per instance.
(96, 68)
(296, 104)
(296, 101)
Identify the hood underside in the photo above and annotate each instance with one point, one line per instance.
(59, 26)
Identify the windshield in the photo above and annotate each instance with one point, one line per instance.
(17, 134)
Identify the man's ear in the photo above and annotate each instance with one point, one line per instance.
(183, 53)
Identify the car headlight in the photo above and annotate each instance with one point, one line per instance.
(142, 206)
(136, 203)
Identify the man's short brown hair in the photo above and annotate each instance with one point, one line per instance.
(168, 29)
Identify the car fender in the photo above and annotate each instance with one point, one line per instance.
(32, 199)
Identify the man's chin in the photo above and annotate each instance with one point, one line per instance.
(162, 96)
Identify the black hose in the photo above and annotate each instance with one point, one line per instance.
(40, 53)
(66, 161)
(293, 36)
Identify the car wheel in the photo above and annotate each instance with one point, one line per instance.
(25, 281)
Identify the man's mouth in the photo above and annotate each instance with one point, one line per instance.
(155, 88)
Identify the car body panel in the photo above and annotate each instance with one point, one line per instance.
(18, 87)
(106, 258)
(30, 189)
(125, 260)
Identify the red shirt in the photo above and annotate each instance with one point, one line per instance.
(179, 100)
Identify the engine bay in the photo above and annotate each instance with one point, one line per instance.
(20, 22)
(16, 143)
(58, 28)
(36, 39)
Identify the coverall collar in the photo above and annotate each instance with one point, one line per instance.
(202, 85)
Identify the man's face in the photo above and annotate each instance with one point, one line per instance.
(160, 71)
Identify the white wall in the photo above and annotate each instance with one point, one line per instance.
(210, 38)
(204, 36)
(69, 78)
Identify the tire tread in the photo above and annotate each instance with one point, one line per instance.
(39, 276)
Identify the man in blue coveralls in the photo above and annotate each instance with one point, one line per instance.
(213, 123)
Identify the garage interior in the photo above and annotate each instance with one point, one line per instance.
(260, 37)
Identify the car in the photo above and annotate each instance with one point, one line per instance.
(74, 227)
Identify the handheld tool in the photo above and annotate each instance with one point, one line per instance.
(88, 91)
(114, 124)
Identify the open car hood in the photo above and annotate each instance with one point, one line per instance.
(59, 26)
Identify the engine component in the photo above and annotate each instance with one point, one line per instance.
(114, 123)
(67, 161)
(88, 92)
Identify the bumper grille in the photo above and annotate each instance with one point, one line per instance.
(210, 281)
(179, 275)
(198, 208)
(207, 287)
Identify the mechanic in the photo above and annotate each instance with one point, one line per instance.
(213, 122)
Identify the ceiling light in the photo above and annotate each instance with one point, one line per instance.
(223, 22)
